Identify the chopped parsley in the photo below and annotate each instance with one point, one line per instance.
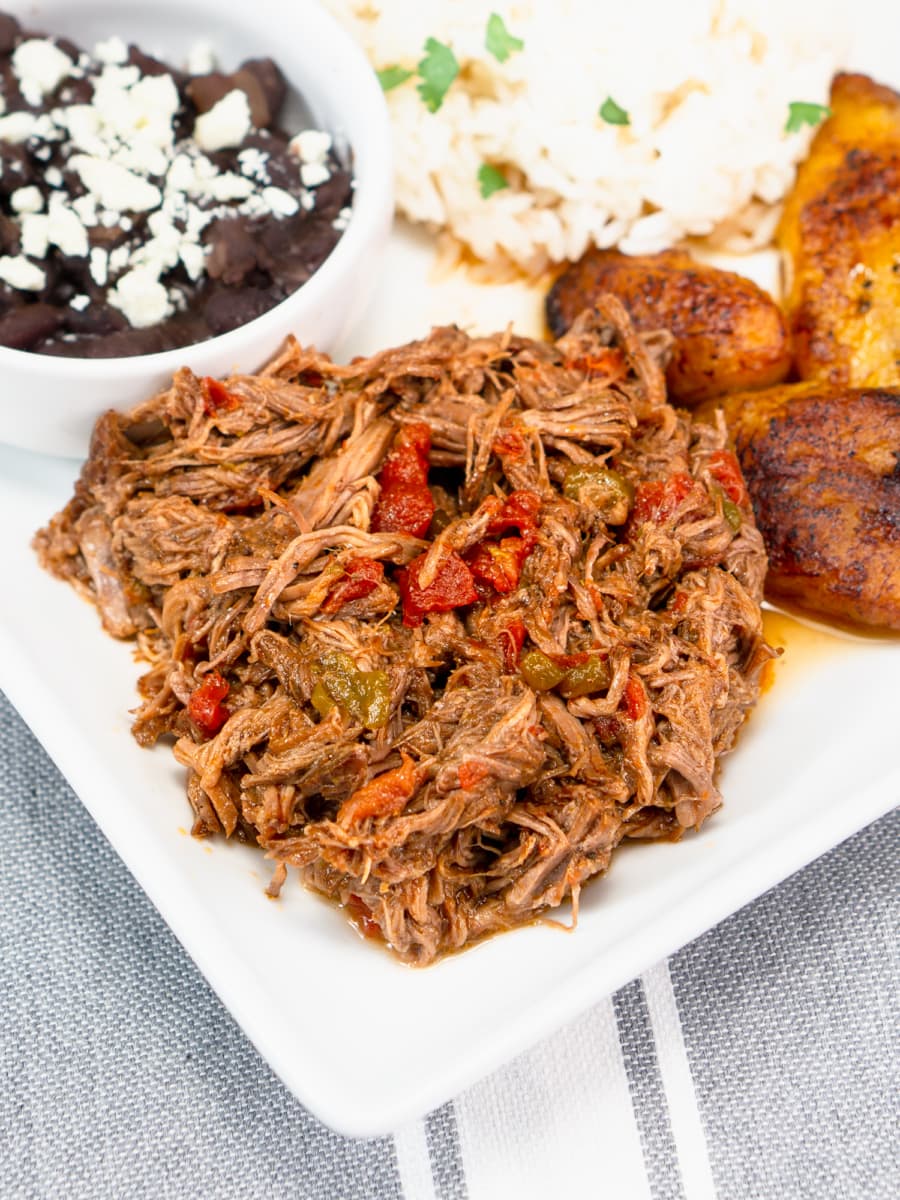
(437, 71)
(612, 114)
(499, 41)
(392, 77)
(801, 112)
(491, 180)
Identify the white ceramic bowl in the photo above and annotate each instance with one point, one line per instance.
(49, 404)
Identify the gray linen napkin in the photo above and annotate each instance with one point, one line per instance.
(761, 1061)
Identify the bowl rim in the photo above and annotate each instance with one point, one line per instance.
(372, 201)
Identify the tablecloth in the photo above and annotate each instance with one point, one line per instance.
(760, 1061)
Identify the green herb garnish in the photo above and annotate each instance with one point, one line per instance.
(498, 40)
(490, 180)
(612, 114)
(437, 70)
(801, 113)
(392, 77)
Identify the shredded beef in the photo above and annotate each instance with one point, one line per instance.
(447, 732)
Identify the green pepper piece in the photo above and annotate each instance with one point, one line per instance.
(321, 701)
(587, 677)
(365, 695)
(375, 709)
(540, 672)
(602, 488)
(730, 510)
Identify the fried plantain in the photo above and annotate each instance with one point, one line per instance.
(840, 233)
(822, 465)
(729, 334)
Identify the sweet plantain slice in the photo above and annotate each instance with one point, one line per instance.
(840, 232)
(729, 334)
(822, 465)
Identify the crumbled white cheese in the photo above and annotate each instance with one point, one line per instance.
(279, 202)
(79, 302)
(126, 224)
(40, 67)
(84, 124)
(115, 186)
(34, 235)
(17, 126)
(27, 200)
(99, 265)
(314, 174)
(229, 186)
(21, 274)
(119, 259)
(67, 232)
(254, 164)
(226, 124)
(307, 201)
(53, 177)
(193, 256)
(86, 208)
(2, 103)
(141, 298)
(311, 146)
(201, 59)
(342, 220)
(112, 50)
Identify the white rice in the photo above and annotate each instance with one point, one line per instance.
(706, 85)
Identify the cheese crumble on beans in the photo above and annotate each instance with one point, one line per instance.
(144, 207)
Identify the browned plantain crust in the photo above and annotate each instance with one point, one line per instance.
(729, 334)
(822, 465)
(840, 231)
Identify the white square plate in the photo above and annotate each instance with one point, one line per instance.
(363, 1042)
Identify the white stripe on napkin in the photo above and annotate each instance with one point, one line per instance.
(675, 1071)
(414, 1162)
(544, 1125)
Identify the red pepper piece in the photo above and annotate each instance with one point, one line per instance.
(519, 511)
(361, 577)
(726, 470)
(657, 500)
(217, 398)
(471, 774)
(634, 698)
(607, 362)
(452, 587)
(499, 564)
(512, 639)
(509, 444)
(384, 796)
(405, 504)
(361, 916)
(205, 707)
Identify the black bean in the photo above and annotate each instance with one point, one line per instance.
(9, 31)
(24, 327)
(226, 310)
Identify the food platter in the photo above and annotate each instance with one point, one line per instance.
(364, 1042)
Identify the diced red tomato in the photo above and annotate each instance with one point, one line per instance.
(634, 698)
(384, 796)
(361, 577)
(726, 470)
(405, 504)
(679, 602)
(452, 587)
(512, 639)
(205, 707)
(658, 499)
(471, 774)
(217, 398)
